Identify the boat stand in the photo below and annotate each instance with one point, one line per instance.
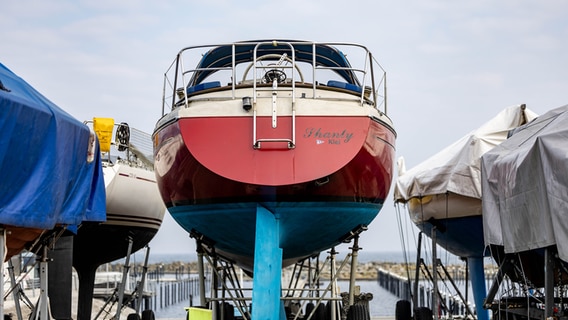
(267, 267)
(527, 301)
(2, 254)
(17, 292)
(118, 295)
(305, 290)
(41, 309)
(139, 291)
(439, 274)
(122, 287)
(15, 288)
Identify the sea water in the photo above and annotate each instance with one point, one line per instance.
(363, 256)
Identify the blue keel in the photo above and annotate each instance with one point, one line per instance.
(267, 270)
(476, 270)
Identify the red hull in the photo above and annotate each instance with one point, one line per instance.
(19, 238)
(205, 160)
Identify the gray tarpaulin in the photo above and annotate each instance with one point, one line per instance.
(456, 168)
(525, 187)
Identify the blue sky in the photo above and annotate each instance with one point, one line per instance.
(451, 65)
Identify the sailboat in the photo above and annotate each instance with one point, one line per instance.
(271, 151)
(443, 194)
(134, 208)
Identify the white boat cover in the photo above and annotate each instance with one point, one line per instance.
(456, 168)
(525, 187)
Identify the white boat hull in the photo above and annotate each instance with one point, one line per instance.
(133, 199)
(457, 219)
(443, 206)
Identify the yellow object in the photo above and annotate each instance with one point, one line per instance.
(199, 314)
(103, 128)
(415, 203)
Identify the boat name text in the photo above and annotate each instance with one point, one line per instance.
(332, 137)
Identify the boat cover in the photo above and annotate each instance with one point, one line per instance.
(456, 168)
(47, 179)
(525, 187)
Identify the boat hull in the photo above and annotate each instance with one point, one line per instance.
(20, 238)
(319, 196)
(458, 222)
(133, 199)
(134, 212)
(305, 228)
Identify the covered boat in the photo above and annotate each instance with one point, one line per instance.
(272, 151)
(525, 187)
(52, 179)
(525, 197)
(444, 192)
(51, 172)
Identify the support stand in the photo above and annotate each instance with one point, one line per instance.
(118, 293)
(267, 267)
(41, 311)
(142, 284)
(3, 256)
(124, 278)
(17, 290)
(302, 297)
(353, 274)
(435, 312)
(477, 272)
(440, 274)
(417, 273)
(532, 301)
(201, 272)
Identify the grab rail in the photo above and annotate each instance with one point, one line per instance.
(371, 76)
(275, 80)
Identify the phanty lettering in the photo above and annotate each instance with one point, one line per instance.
(333, 137)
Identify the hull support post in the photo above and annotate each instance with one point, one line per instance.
(266, 302)
(353, 274)
(201, 270)
(125, 269)
(476, 269)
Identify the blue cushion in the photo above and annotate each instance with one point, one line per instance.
(203, 86)
(344, 85)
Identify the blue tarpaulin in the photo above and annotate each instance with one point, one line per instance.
(45, 176)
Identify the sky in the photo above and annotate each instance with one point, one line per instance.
(451, 65)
